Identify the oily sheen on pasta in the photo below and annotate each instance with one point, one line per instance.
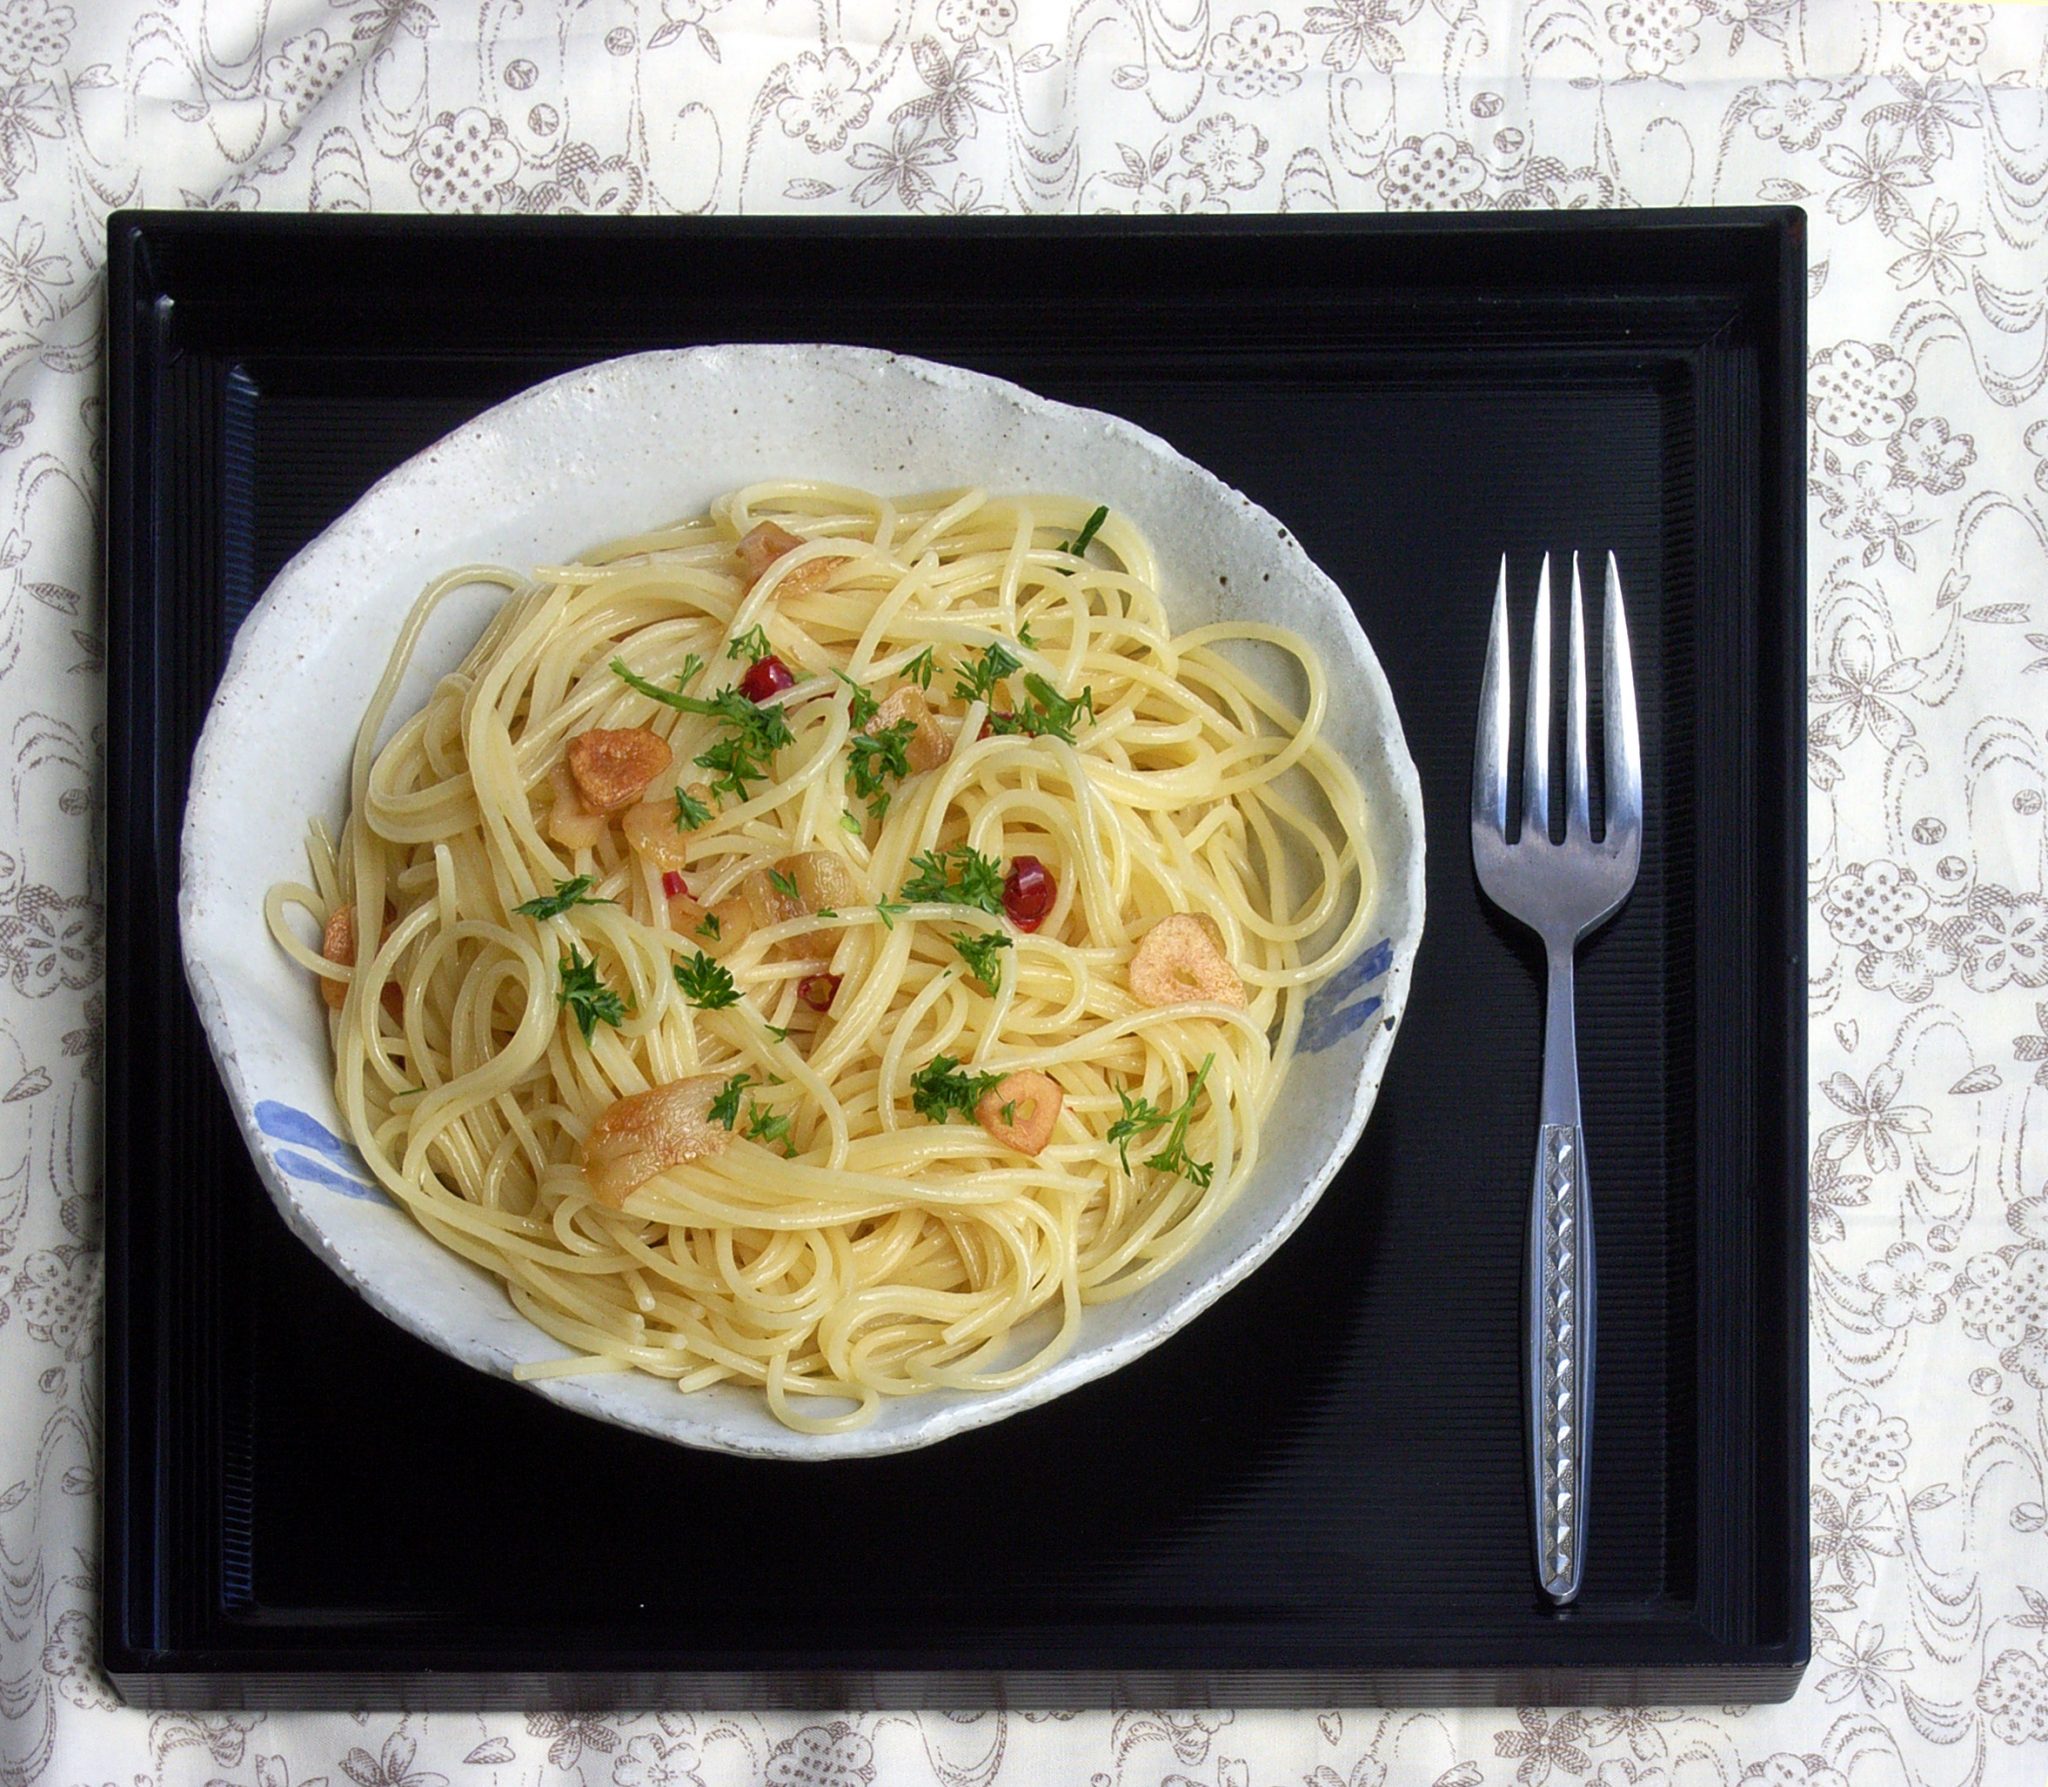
(827, 944)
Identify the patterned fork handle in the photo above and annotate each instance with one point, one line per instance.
(1560, 1304)
(1562, 892)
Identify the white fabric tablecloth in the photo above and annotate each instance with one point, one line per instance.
(1917, 137)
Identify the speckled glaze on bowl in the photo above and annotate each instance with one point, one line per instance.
(604, 452)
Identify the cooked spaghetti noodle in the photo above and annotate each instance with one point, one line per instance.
(828, 944)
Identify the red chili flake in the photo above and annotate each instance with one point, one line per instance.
(818, 990)
(672, 883)
(1028, 893)
(769, 676)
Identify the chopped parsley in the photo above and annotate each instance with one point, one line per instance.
(706, 984)
(765, 1126)
(655, 692)
(574, 892)
(1024, 637)
(874, 755)
(1045, 710)
(710, 927)
(978, 949)
(979, 882)
(752, 645)
(753, 734)
(1079, 545)
(977, 681)
(939, 1088)
(746, 754)
(886, 911)
(862, 707)
(587, 997)
(1141, 1117)
(785, 885)
(849, 824)
(725, 1108)
(690, 813)
(920, 668)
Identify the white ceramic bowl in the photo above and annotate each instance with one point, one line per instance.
(604, 452)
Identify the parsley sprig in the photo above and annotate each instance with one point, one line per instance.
(690, 813)
(706, 984)
(573, 892)
(766, 1126)
(861, 707)
(939, 1088)
(745, 752)
(675, 698)
(1079, 545)
(977, 681)
(763, 1125)
(961, 876)
(1045, 711)
(752, 645)
(586, 996)
(873, 756)
(1141, 1117)
(725, 1108)
(980, 951)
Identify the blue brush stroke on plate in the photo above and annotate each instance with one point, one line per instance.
(339, 1168)
(1333, 1029)
(302, 1166)
(1327, 1020)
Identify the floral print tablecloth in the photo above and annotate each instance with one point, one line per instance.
(1917, 137)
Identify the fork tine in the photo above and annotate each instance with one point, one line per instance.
(1490, 756)
(1536, 737)
(1578, 819)
(1624, 742)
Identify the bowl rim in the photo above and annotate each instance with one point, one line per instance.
(1082, 1364)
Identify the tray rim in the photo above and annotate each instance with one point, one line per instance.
(150, 1672)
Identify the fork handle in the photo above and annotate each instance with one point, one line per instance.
(1559, 1305)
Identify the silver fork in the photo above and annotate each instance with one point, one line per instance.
(1562, 892)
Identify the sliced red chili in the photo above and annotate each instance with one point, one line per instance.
(1028, 893)
(818, 990)
(768, 676)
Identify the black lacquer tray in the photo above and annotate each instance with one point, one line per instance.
(1313, 1495)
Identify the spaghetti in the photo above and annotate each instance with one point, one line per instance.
(827, 944)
